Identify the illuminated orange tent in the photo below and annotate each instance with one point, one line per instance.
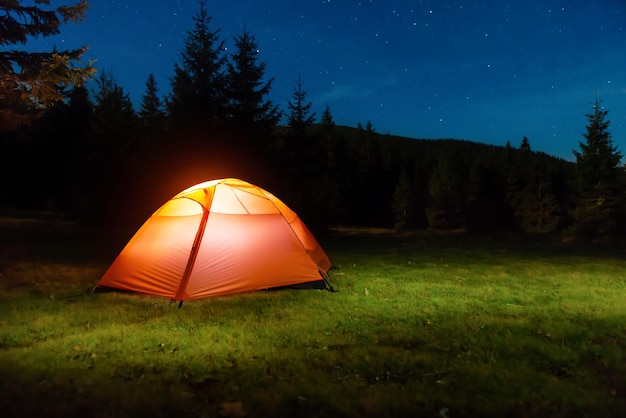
(218, 237)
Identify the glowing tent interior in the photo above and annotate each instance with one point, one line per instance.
(215, 238)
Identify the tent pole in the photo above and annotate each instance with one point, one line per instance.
(192, 256)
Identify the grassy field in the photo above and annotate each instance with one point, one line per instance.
(423, 325)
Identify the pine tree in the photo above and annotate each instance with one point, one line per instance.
(114, 116)
(519, 185)
(525, 145)
(249, 109)
(113, 149)
(329, 139)
(151, 105)
(598, 159)
(302, 155)
(199, 85)
(369, 152)
(329, 142)
(33, 81)
(600, 202)
(152, 112)
(300, 115)
(327, 122)
(338, 178)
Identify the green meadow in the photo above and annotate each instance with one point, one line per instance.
(420, 325)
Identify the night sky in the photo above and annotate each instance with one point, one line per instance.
(490, 71)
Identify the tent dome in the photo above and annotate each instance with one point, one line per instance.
(215, 238)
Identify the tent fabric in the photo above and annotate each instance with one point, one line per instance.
(215, 238)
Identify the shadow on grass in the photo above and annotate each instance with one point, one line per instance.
(427, 371)
(42, 237)
(469, 247)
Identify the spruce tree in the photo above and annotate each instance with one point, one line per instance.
(249, 108)
(114, 152)
(600, 180)
(327, 122)
(369, 152)
(300, 116)
(598, 159)
(33, 81)
(114, 116)
(199, 85)
(303, 157)
(151, 113)
(371, 174)
(338, 179)
(328, 138)
(151, 105)
(520, 184)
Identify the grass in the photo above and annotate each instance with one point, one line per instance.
(439, 326)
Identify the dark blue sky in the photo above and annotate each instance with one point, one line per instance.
(490, 71)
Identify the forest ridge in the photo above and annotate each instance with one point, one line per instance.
(98, 160)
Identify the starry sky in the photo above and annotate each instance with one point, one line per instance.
(486, 71)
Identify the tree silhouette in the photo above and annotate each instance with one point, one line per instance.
(151, 105)
(300, 116)
(598, 159)
(33, 81)
(249, 109)
(199, 85)
(525, 144)
(114, 123)
(151, 113)
(338, 174)
(327, 121)
(114, 138)
(600, 179)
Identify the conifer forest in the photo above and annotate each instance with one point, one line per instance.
(93, 156)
